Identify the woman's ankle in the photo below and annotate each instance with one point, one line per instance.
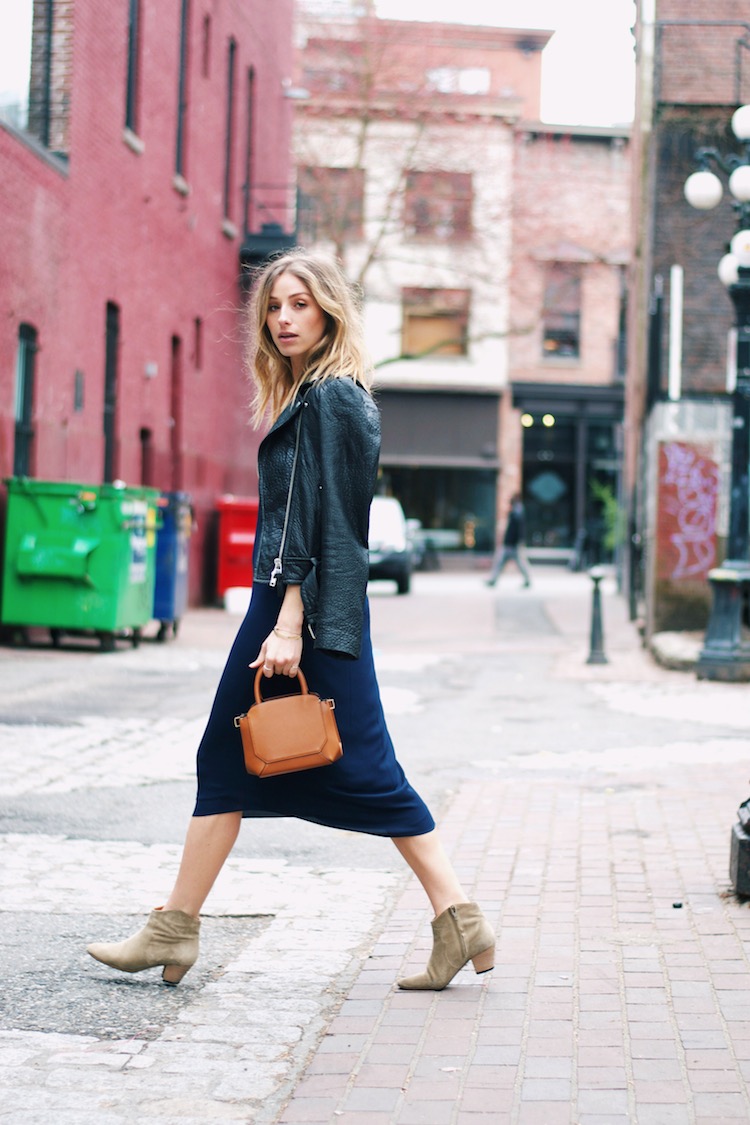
(183, 907)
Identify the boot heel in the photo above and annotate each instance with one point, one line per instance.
(173, 974)
(484, 961)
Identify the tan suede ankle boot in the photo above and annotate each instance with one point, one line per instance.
(460, 934)
(169, 938)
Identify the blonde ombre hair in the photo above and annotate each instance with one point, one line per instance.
(339, 353)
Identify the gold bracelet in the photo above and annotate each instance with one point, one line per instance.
(287, 636)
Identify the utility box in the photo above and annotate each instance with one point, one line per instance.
(79, 558)
(238, 522)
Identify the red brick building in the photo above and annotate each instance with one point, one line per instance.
(693, 72)
(562, 421)
(154, 154)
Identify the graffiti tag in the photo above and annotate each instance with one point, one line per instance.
(688, 494)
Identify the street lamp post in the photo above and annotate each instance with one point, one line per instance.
(726, 654)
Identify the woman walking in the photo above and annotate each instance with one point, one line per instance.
(309, 611)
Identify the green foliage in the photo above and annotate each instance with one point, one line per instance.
(614, 518)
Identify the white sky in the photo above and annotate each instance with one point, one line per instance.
(587, 69)
(15, 49)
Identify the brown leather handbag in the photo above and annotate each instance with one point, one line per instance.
(289, 733)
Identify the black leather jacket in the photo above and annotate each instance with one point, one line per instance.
(325, 551)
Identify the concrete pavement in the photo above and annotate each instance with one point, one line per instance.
(622, 983)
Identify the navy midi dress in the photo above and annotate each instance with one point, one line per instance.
(364, 791)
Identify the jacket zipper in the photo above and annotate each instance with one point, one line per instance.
(278, 566)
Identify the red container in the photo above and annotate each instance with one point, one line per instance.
(238, 520)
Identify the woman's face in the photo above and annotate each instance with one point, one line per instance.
(294, 319)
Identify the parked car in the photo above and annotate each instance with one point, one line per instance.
(390, 549)
(416, 543)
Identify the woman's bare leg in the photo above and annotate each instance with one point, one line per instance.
(429, 862)
(208, 842)
(461, 933)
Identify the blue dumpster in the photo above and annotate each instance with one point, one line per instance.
(171, 585)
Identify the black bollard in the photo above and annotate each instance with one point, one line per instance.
(597, 654)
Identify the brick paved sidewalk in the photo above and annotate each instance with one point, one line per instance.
(621, 993)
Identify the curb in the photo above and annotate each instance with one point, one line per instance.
(676, 651)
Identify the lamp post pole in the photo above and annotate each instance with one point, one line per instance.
(726, 649)
(739, 510)
(726, 654)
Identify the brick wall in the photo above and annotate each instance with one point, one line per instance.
(396, 58)
(695, 240)
(699, 57)
(113, 225)
(570, 203)
(571, 197)
(691, 76)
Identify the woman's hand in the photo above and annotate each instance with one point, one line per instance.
(281, 651)
(279, 655)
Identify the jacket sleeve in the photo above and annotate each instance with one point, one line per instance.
(349, 431)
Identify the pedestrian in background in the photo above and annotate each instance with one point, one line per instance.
(309, 611)
(512, 545)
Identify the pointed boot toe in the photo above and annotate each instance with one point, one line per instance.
(169, 939)
(459, 935)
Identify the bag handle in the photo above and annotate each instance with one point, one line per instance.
(259, 679)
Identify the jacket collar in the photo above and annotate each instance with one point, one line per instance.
(292, 410)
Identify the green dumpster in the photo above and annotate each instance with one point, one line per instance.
(79, 558)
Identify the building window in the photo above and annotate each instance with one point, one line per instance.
(134, 66)
(561, 314)
(459, 80)
(24, 430)
(229, 128)
(182, 91)
(437, 205)
(330, 204)
(435, 322)
(51, 75)
(198, 343)
(111, 381)
(177, 412)
(247, 187)
(206, 48)
(146, 438)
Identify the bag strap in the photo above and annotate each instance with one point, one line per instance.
(277, 563)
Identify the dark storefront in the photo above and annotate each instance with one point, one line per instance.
(439, 458)
(571, 467)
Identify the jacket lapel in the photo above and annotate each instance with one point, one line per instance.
(286, 415)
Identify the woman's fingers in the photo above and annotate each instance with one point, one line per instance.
(278, 657)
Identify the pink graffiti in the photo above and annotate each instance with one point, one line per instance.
(691, 502)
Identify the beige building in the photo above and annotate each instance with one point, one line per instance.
(416, 166)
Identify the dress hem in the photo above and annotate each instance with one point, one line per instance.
(262, 814)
